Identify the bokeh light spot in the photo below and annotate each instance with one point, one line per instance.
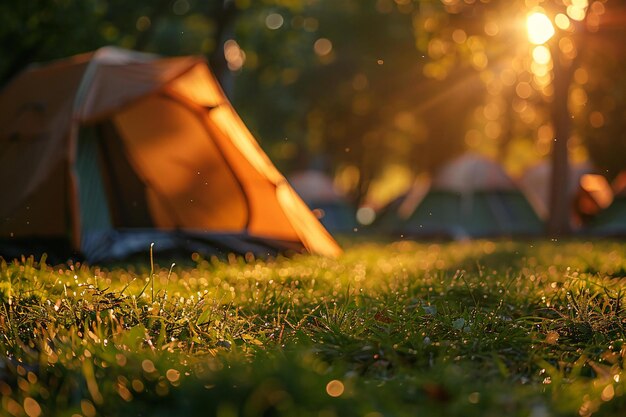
(492, 28)
(596, 119)
(581, 76)
(323, 46)
(474, 398)
(274, 21)
(87, 408)
(235, 57)
(577, 9)
(143, 23)
(562, 21)
(523, 90)
(608, 393)
(148, 366)
(365, 215)
(539, 27)
(335, 388)
(31, 407)
(459, 36)
(541, 55)
(172, 375)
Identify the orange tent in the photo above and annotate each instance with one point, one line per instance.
(109, 151)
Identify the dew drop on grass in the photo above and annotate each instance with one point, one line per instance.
(87, 408)
(172, 375)
(608, 393)
(474, 398)
(31, 407)
(148, 366)
(137, 385)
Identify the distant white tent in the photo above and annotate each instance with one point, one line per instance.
(472, 172)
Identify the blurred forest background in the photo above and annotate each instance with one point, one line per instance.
(375, 92)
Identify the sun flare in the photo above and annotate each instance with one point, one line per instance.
(540, 28)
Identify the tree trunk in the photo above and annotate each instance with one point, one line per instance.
(224, 17)
(560, 205)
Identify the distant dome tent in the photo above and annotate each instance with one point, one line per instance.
(470, 197)
(330, 206)
(103, 153)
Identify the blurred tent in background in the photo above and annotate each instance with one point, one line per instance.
(612, 220)
(469, 197)
(594, 195)
(588, 192)
(535, 182)
(105, 152)
(329, 205)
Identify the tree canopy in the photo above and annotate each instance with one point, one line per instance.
(358, 87)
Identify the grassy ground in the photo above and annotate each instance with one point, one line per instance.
(405, 329)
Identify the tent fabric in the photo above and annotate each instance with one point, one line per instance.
(612, 220)
(619, 185)
(472, 172)
(480, 214)
(588, 193)
(119, 244)
(535, 183)
(114, 147)
(594, 195)
(471, 197)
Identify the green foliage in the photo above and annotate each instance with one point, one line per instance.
(40, 31)
(356, 103)
(403, 329)
(405, 82)
(392, 83)
(355, 100)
